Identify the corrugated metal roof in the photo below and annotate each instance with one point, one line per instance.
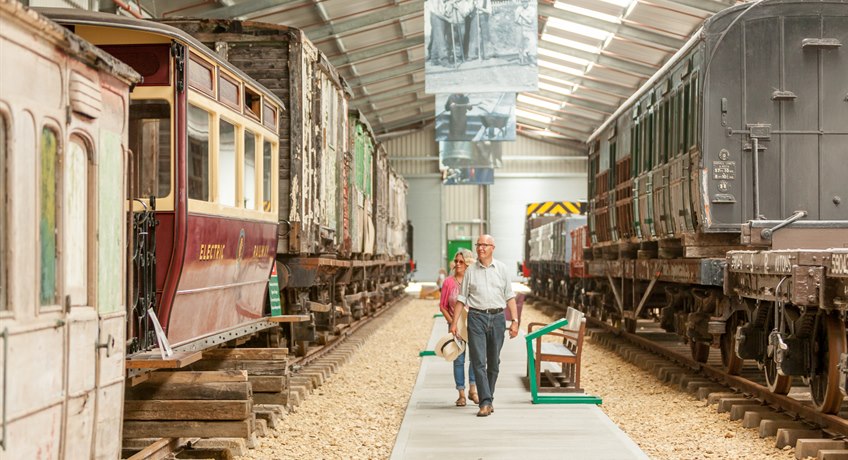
(378, 46)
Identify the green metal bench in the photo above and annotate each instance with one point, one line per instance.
(558, 353)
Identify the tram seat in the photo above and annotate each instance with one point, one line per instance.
(566, 353)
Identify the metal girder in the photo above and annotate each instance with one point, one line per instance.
(609, 88)
(403, 107)
(375, 77)
(603, 109)
(708, 6)
(406, 121)
(391, 94)
(574, 133)
(385, 14)
(619, 29)
(376, 51)
(606, 61)
(540, 125)
(243, 9)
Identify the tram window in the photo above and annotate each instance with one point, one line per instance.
(150, 142)
(3, 209)
(198, 153)
(252, 102)
(75, 222)
(267, 151)
(226, 163)
(249, 169)
(47, 217)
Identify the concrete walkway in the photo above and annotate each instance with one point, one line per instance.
(434, 428)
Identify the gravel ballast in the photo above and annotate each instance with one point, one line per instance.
(357, 413)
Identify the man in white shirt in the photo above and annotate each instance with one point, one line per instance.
(486, 289)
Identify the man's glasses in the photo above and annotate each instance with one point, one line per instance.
(484, 245)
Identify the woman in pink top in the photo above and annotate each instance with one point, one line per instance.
(450, 289)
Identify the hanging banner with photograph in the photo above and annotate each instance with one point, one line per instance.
(461, 154)
(475, 117)
(480, 46)
(468, 176)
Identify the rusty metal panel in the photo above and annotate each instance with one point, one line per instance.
(806, 285)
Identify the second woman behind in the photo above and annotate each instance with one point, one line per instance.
(450, 289)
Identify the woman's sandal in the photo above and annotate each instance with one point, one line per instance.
(461, 401)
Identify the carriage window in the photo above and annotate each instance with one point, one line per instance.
(74, 222)
(47, 216)
(267, 151)
(150, 142)
(226, 163)
(198, 153)
(249, 185)
(3, 208)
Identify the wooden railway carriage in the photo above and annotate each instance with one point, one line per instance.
(205, 143)
(335, 190)
(717, 152)
(63, 162)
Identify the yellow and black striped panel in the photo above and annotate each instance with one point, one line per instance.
(556, 208)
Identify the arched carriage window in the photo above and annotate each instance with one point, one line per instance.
(75, 235)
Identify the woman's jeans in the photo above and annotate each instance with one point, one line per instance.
(459, 372)
(485, 340)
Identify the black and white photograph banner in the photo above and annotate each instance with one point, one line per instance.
(462, 154)
(468, 176)
(480, 46)
(475, 117)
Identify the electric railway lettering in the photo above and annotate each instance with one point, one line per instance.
(211, 251)
(260, 252)
(839, 264)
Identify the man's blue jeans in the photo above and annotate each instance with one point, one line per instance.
(485, 340)
(459, 372)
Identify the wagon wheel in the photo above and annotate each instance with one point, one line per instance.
(828, 344)
(732, 362)
(777, 384)
(700, 350)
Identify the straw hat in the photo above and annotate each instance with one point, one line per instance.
(449, 347)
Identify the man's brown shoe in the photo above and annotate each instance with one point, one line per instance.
(484, 411)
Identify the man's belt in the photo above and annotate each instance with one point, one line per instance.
(491, 311)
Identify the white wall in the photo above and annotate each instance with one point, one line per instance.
(508, 200)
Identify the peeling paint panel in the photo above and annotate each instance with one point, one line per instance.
(47, 218)
(110, 223)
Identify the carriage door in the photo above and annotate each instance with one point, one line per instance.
(833, 59)
(804, 103)
(81, 318)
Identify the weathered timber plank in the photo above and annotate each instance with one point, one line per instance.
(247, 353)
(197, 376)
(691, 252)
(267, 384)
(186, 428)
(190, 391)
(253, 367)
(187, 410)
(159, 449)
(271, 398)
(153, 360)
